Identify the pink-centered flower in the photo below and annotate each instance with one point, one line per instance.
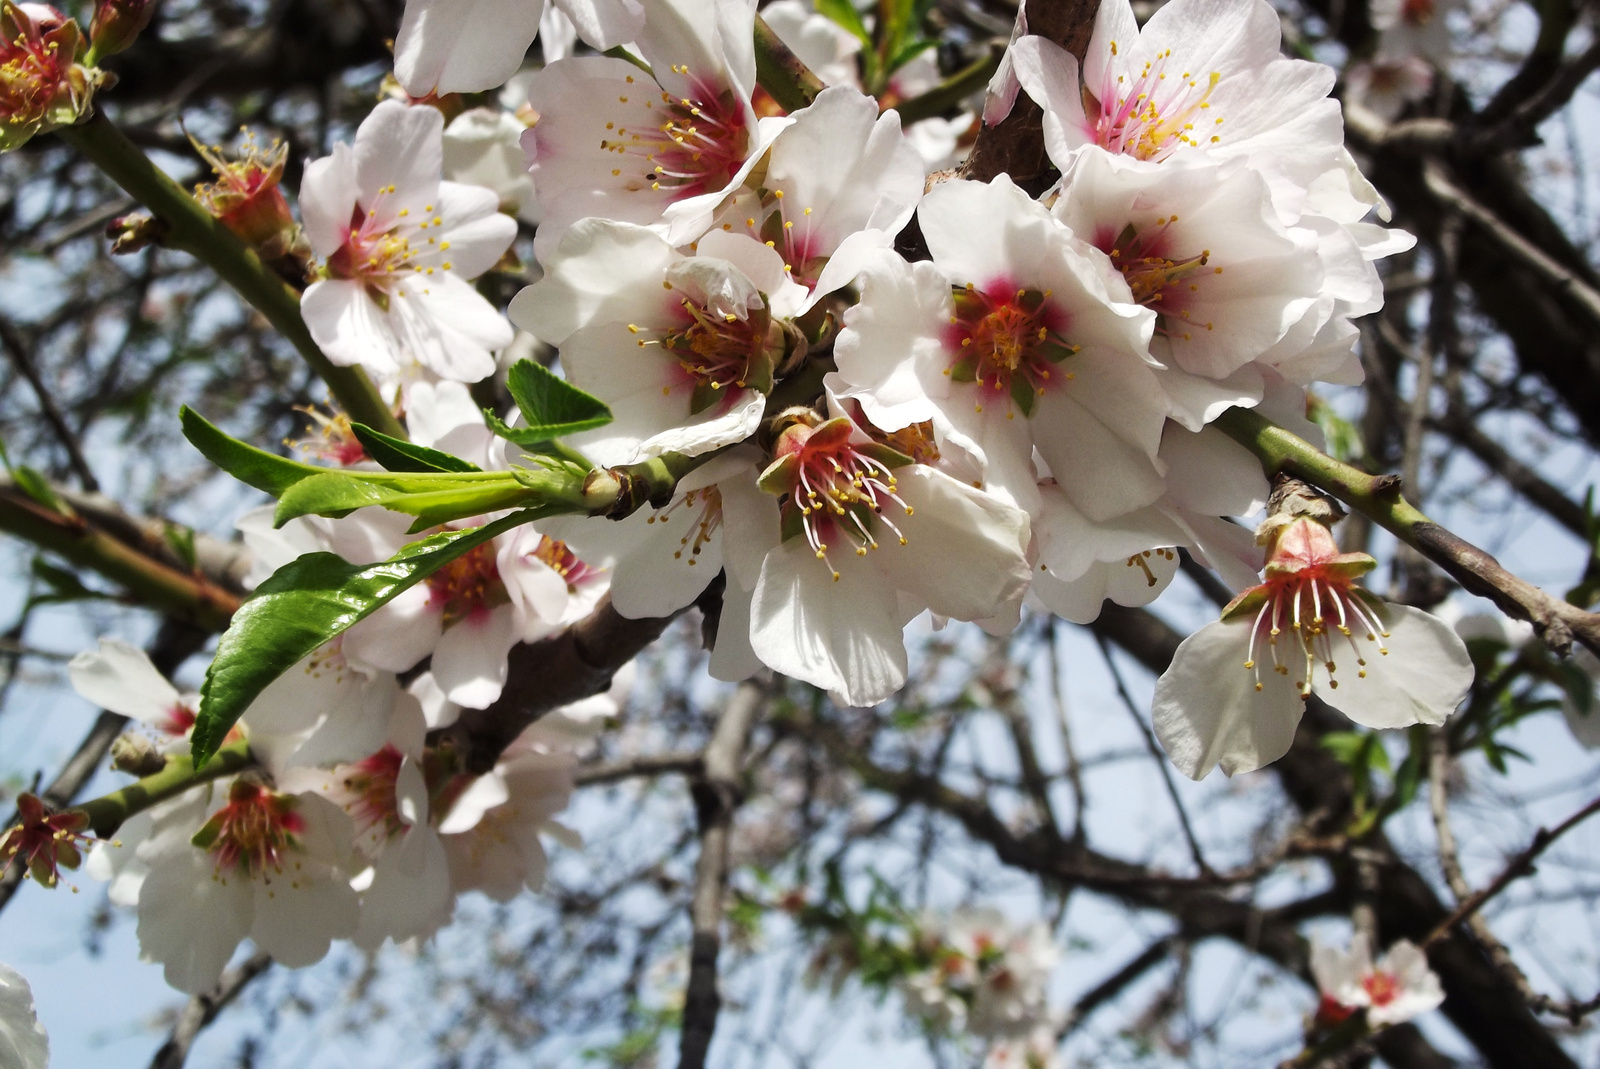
(661, 149)
(1234, 691)
(41, 84)
(1199, 80)
(44, 842)
(1016, 336)
(400, 248)
(870, 540)
(1397, 988)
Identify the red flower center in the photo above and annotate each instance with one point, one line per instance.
(1008, 341)
(252, 834)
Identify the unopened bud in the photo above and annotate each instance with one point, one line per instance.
(1293, 499)
(137, 755)
(117, 24)
(130, 233)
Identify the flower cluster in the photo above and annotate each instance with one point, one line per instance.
(1397, 988)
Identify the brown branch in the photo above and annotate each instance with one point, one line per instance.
(21, 354)
(1519, 866)
(203, 1009)
(717, 794)
(1113, 985)
(641, 767)
(1015, 145)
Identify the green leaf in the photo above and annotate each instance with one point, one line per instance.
(255, 467)
(460, 494)
(908, 52)
(552, 406)
(845, 14)
(38, 487)
(181, 539)
(304, 604)
(397, 455)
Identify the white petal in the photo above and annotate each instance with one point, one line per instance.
(300, 913)
(470, 660)
(328, 196)
(843, 636)
(349, 327)
(119, 677)
(1420, 680)
(471, 221)
(190, 922)
(1208, 712)
(23, 1042)
(463, 46)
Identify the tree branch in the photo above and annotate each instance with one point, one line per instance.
(203, 1009)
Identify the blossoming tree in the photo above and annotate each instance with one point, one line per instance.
(911, 351)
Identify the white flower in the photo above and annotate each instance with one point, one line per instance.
(870, 540)
(483, 147)
(265, 866)
(682, 348)
(840, 181)
(1399, 987)
(661, 560)
(23, 1042)
(1412, 27)
(987, 977)
(614, 142)
(1037, 1050)
(1386, 84)
(400, 247)
(1233, 694)
(1013, 339)
(119, 678)
(467, 46)
(1201, 78)
(1201, 246)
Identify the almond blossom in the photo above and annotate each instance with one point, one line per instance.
(119, 677)
(400, 247)
(682, 348)
(869, 537)
(1199, 79)
(1234, 691)
(445, 46)
(664, 149)
(987, 977)
(1016, 336)
(42, 85)
(1399, 987)
(840, 181)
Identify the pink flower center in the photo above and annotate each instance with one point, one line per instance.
(178, 719)
(1154, 113)
(467, 585)
(1383, 988)
(704, 508)
(34, 67)
(800, 246)
(254, 833)
(1161, 278)
(564, 562)
(334, 440)
(370, 784)
(379, 249)
(1008, 341)
(687, 146)
(835, 488)
(1311, 602)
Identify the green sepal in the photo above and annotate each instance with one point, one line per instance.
(302, 605)
(885, 455)
(552, 406)
(791, 524)
(1054, 351)
(1022, 394)
(964, 370)
(395, 454)
(704, 396)
(781, 476)
(1247, 603)
(252, 466)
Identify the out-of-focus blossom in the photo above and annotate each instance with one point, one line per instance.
(42, 84)
(986, 977)
(23, 1041)
(1412, 28)
(117, 24)
(483, 147)
(1399, 987)
(1386, 85)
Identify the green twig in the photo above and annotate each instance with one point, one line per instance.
(195, 231)
(781, 73)
(952, 91)
(107, 813)
(1378, 498)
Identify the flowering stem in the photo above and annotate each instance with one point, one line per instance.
(195, 231)
(952, 91)
(1378, 498)
(186, 596)
(108, 812)
(781, 73)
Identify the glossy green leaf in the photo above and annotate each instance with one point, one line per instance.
(256, 467)
(552, 406)
(395, 454)
(335, 493)
(302, 605)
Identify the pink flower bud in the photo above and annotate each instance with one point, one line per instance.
(117, 24)
(248, 200)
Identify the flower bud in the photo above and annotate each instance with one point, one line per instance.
(137, 755)
(117, 24)
(246, 197)
(135, 231)
(42, 85)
